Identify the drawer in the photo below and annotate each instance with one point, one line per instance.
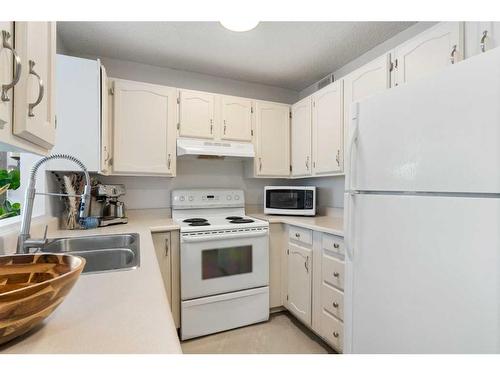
(333, 243)
(332, 300)
(332, 271)
(332, 331)
(300, 235)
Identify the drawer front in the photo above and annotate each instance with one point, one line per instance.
(332, 271)
(300, 235)
(332, 331)
(333, 243)
(332, 300)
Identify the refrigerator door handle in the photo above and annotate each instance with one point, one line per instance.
(350, 223)
(352, 140)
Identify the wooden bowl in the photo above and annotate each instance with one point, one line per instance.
(31, 287)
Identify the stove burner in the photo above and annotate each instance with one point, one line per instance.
(241, 221)
(195, 220)
(199, 224)
(234, 218)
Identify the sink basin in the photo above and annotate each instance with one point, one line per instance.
(102, 253)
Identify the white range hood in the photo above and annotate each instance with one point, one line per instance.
(214, 148)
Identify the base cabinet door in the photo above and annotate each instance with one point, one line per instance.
(34, 95)
(236, 119)
(144, 117)
(272, 139)
(429, 52)
(196, 114)
(299, 282)
(301, 133)
(327, 130)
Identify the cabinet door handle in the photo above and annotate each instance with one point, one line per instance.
(337, 158)
(307, 162)
(167, 247)
(297, 235)
(306, 264)
(335, 334)
(211, 126)
(17, 66)
(336, 245)
(41, 90)
(225, 127)
(336, 274)
(260, 164)
(482, 44)
(453, 53)
(169, 161)
(335, 304)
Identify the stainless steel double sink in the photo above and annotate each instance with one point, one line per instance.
(103, 253)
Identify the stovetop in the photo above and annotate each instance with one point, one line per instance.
(218, 222)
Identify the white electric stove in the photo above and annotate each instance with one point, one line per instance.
(224, 261)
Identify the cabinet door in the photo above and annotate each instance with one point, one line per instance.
(481, 37)
(196, 114)
(272, 139)
(143, 128)
(236, 119)
(327, 130)
(162, 245)
(363, 82)
(34, 95)
(429, 52)
(299, 282)
(301, 134)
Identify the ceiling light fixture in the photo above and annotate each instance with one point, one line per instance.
(239, 25)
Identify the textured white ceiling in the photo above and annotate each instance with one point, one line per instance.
(290, 55)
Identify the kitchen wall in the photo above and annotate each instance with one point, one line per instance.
(154, 192)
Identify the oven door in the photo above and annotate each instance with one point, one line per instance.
(224, 262)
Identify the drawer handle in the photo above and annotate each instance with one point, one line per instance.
(335, 304)
(335, 334)
(297, 235)
(336, 245)
(336, 274)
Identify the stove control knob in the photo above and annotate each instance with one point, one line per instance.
(229, 197)
(237, 197)
(182, 198)
(191, 198)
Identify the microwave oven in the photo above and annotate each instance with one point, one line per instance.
(290, 200)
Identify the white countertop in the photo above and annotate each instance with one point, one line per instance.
(113, 312)
(333, 223)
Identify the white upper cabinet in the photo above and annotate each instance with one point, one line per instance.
(236, 119)
(272, 139)
(196, 114)
(429, 52)
(299, 299)
(370, 79)
(34, 95)
(144, 118)
(301, 138)
(327, 130)
(481, 37)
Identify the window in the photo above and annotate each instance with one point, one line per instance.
(10, 181)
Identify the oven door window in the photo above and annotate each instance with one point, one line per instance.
(227, 261)
(285, 199)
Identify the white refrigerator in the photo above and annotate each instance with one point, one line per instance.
(422, 215)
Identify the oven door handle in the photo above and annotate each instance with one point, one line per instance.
(223, 236)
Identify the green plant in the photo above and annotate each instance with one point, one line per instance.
(9, 180)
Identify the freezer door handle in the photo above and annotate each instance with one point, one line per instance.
(352, 141)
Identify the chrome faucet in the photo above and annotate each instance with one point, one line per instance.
(24, 242)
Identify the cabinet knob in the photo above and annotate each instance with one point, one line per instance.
(336, 274)
(335, 304)
(335, 334)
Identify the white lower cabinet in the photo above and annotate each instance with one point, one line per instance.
(143, 127)
(299, 282)
(166, 246)
(315, 281)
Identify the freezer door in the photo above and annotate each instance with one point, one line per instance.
(441, 133)
(425, 277)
